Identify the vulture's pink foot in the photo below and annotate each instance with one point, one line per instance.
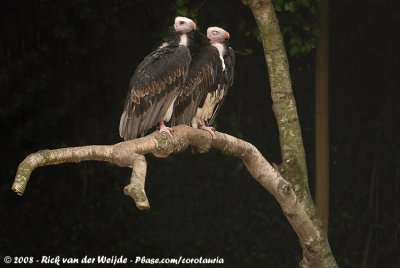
(210, 130)
(164, 128)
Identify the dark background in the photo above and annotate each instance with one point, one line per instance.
(65, 67)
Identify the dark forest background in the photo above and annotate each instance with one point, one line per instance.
(64, 74)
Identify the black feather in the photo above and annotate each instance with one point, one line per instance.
(203, 74)
(206, 76)
(228, 76)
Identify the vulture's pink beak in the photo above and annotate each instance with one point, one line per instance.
(226, 35)
(194, 25)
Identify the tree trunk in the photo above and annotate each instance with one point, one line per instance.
(316, 249)
(322, 116)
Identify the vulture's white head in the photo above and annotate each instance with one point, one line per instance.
(217, 35)
(184, 25)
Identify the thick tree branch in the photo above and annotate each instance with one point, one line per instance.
(316, 251)
(131, 154)
(284, 104)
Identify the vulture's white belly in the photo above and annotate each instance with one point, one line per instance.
(207, 110)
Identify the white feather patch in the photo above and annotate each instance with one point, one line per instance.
(207, 110)
(221, 50)
(184, 40)
(163, 45)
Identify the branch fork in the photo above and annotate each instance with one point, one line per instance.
(131, 154)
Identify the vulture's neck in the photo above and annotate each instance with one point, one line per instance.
(220, 47)
(221, 50)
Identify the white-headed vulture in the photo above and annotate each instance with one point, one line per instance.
(211, 73)
(157, 82)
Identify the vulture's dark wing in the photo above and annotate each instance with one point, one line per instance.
(204, 73)
(153, 88)
(226, 80)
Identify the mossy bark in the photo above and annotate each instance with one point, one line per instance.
(316, 251)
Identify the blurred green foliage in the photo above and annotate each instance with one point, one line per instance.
(298, 21)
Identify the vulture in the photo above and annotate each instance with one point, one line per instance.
(157, 82)
(211, 73)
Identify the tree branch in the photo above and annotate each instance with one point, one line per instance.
(131, 154)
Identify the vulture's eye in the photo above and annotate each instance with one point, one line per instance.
(214, 32)
(181, 22)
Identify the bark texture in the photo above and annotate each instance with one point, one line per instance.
(316, 249)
